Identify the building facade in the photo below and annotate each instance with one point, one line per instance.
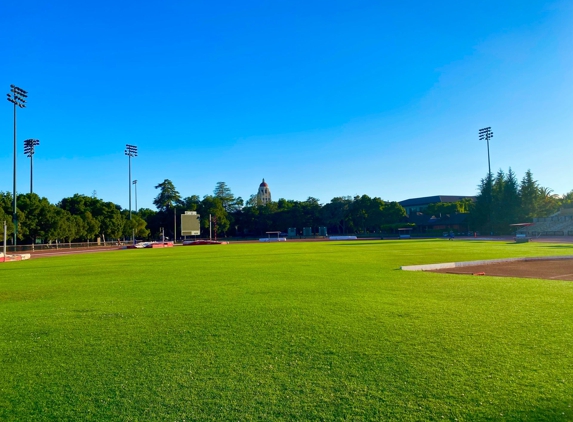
(264, 194)
(415, 205)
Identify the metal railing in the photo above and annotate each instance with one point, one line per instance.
(53, 246)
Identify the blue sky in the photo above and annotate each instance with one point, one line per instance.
(321, 99)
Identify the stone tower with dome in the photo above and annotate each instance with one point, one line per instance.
(264, 194)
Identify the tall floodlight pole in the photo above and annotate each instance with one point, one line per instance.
(29, 149)
(135, 187)
(17, 96)
(486, 134)
(130, 151)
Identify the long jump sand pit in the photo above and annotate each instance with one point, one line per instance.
(552, 268)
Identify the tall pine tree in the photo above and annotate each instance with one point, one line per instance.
(529, 193)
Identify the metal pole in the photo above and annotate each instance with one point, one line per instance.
(174, 225)
(31, 173)
(29, 150)
(18, 98)
(129, 159)
(488, 163)
(487, 134)
(4, 248)
(209, 226)
(130, 151)
(135, 185)
(15, 214)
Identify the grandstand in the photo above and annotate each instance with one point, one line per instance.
(559, 224)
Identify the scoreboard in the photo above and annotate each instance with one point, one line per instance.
(190, 224)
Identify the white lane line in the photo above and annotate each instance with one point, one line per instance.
(559, 276)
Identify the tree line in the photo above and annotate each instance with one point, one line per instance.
(501, 201)
(234, 217)
(77, 218)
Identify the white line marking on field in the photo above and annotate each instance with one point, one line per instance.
(564, 275)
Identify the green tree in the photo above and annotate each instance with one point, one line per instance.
(547, 202)
(38, 217)
(481, 217)
(465, 206)
(566, 200)
(168, 196)
(336, 214)
(64, 228)
(192, 203)
(230, 203)
(166, 202)
(137, 226)
(9, 225)
(92, 225)
(6, 203)
(509, 206)
(211, 205)
(359, 211)
(310, 212)
(442, 208)
(497, 201)
(254, 201)
(246, 220)
(393, 213)
(111, 220)
(529, 193)
(98, 217)
(153, 221)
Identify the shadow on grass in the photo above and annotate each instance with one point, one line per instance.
(515, 243)
(561, 412)
(570, 246)
(377, 241)
(370, 243)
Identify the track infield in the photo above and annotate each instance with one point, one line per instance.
(551, 269)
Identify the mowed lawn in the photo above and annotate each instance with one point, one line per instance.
(289, 331)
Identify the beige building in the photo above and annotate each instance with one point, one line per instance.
(264, 194)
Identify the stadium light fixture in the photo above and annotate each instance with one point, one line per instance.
(17, 96)
(29, 149)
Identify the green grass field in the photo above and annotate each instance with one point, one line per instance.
(289, 331)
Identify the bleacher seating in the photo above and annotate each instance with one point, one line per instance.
(559, 224)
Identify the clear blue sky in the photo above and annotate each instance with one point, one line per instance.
(321, 99)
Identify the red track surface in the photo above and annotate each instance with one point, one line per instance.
(73, 251)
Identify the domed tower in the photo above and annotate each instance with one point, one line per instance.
(264, 193)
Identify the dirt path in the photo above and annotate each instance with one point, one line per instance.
(561, 269)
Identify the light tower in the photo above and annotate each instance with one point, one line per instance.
(130, 151)
(17, 96)
(29, 149)
(486, 134)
